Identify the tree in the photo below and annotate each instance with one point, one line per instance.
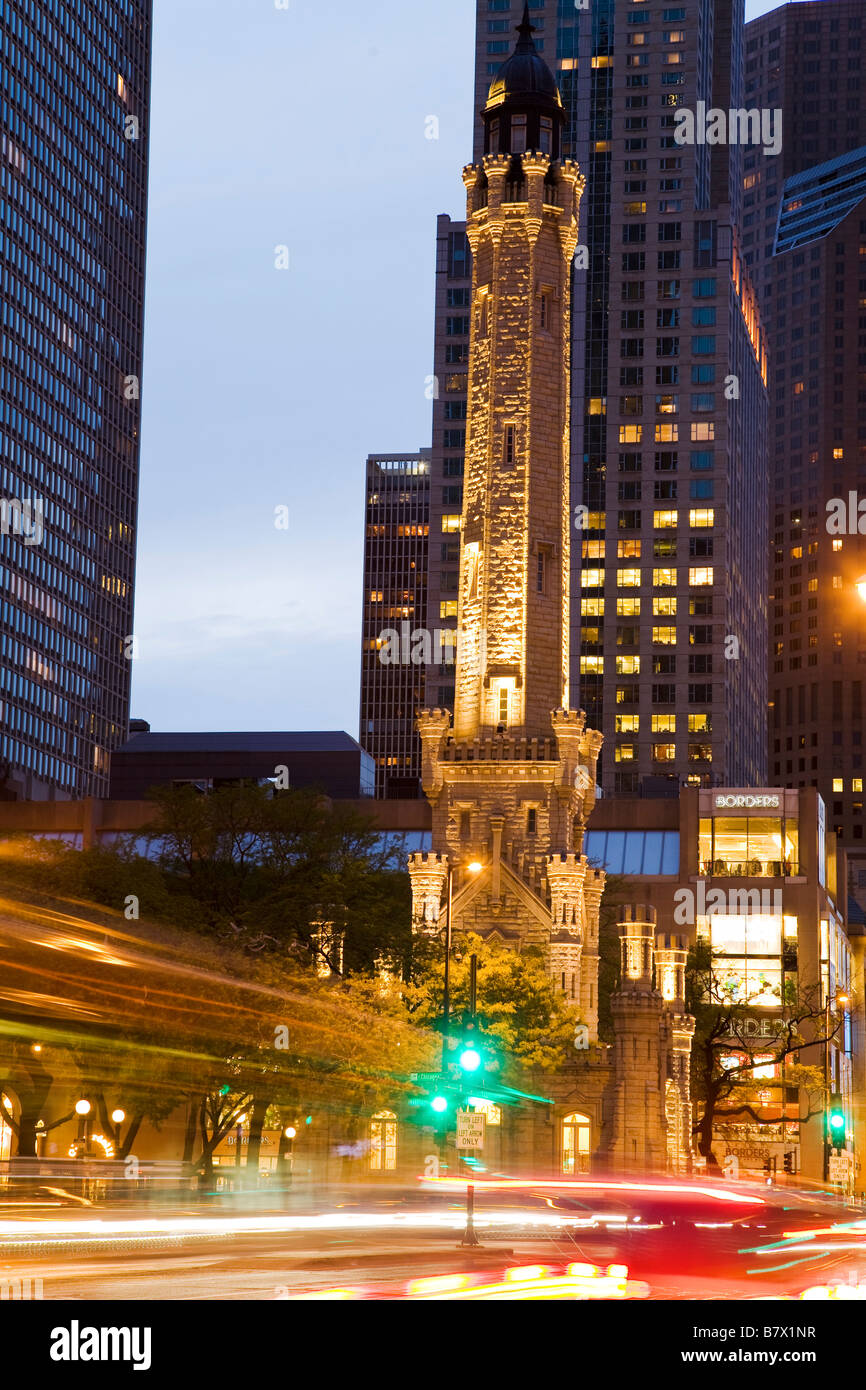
(147, 1018)
(726, 1045)
(517, 1005)
(253, 869)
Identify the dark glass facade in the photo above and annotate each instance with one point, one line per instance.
(74, 86)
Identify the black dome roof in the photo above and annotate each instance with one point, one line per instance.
(524, 73)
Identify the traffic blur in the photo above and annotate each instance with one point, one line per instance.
(606, 1238)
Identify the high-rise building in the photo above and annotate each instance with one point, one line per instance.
(668, 399)
(434, 498)
(75, 82)
(668, 404)
(394, 671)
(805, 234)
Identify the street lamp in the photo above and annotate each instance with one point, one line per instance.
(860, 586)
(82, 1110)
(118, 1116)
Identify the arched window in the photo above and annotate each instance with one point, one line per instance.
(383, 1142)
(575, 1143)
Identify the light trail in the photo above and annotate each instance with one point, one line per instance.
(581, 1185)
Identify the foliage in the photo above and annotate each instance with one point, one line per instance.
(527, 1022)
(725, 1047)
(250, 868)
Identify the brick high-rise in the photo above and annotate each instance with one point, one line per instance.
(75, 82)
(671, 472)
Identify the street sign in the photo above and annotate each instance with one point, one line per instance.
(839, 1169)
(470, 1130)
(428, 1076)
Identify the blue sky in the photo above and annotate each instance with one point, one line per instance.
(264, 388)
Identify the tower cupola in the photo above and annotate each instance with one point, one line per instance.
(523, 109)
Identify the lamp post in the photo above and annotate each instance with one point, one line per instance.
(82, 1110)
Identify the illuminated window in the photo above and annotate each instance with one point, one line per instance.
(664, 578)
(664, 723)
(595, 521)
(575, 1127)
(597, 405)
(838, 784)
(665, 607)
(448, 608)
(591, 665)
(701, 574)
(664, 752)
(627, 607)
(624, 753)
(451, 523)
(627, 723)
(592, 579)
(667, 434)
(628, 550)
(628, 665)
(667, 636)
(837, 545)
(700, 724)
(838, 453)
(664, 520)
(703, 429)
(628, 579)
(503, 704)
(630, 434)
(634, 209)
(701, 516)
(383, 1142)
(592, 607)
(857, 784)
(592, 550)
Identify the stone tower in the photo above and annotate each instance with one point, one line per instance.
(650, 1113)
(512, 785)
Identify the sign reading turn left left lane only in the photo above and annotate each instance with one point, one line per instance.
(470, 1131)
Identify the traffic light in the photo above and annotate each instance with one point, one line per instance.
(468, 1050)
(788, 1161)
(439, 1103)
(836, 1121)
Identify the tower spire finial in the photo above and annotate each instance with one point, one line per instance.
(525, 29)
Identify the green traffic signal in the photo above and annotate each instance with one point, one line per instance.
(439, 1104)
(470, 1059)
(836, 1120)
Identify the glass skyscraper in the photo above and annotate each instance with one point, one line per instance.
(74, 86)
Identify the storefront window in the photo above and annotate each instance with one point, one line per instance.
(739, 846)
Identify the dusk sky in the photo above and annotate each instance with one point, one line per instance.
(264, 388)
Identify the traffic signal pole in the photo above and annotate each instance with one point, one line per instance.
(469, 1235)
